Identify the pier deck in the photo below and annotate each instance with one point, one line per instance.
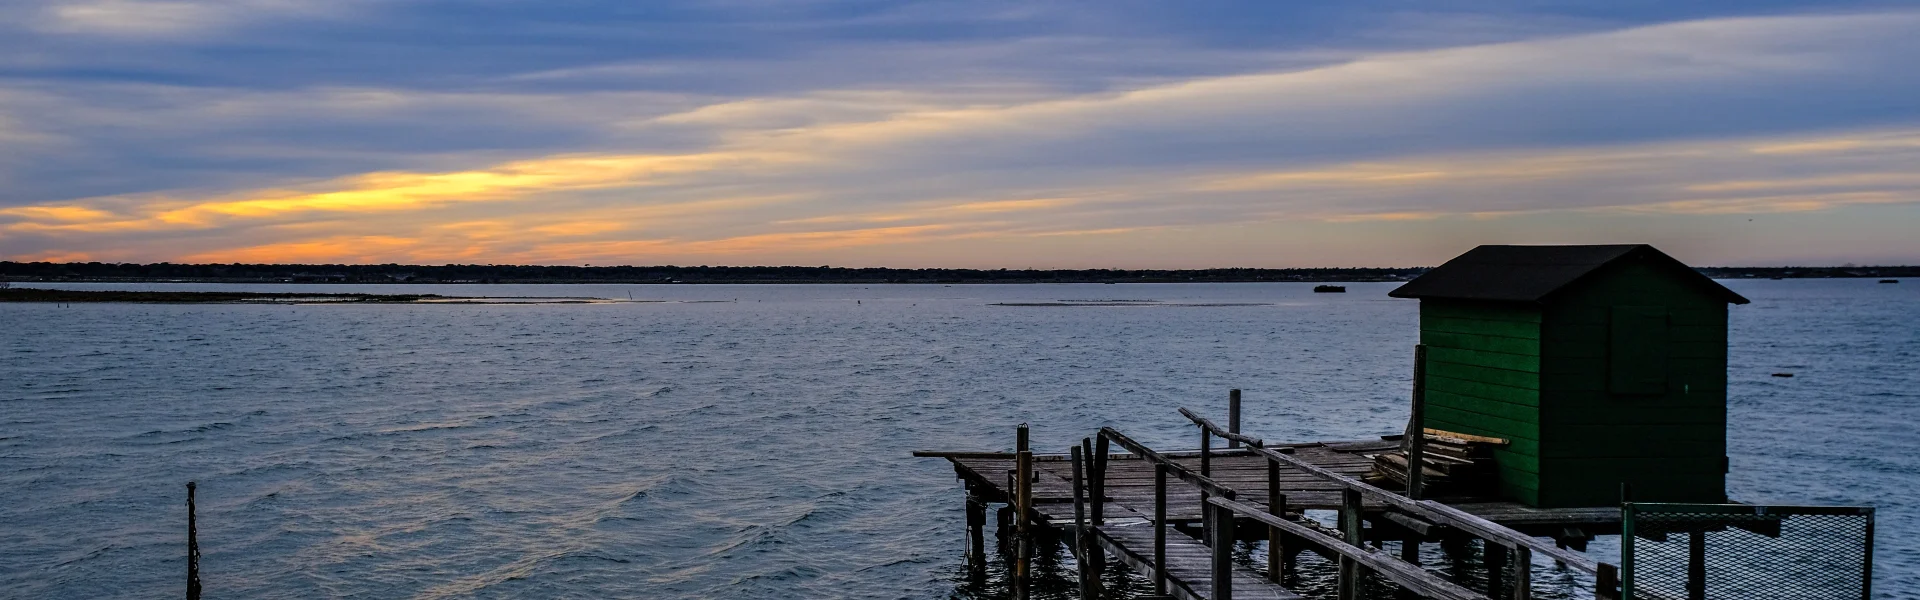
(1129, 487)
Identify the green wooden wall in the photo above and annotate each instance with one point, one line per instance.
(1620, 377)
(1483, 378)
(1609, 415)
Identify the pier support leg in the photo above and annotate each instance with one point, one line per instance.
(1003, 529)
(1410, 552)
(1697, 565)
(976, 533)
(1496, 569)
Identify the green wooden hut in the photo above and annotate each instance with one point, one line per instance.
(1601, 365)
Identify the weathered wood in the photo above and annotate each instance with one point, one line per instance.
(1350, 533)
(1189, 565)
(1417, 444)
(1233, 417)
(1696, 565)
(1222, 541)
(1464, 438)
(193, 548)
(1080, 527)
(1428, 584)
(976, 533)
(1522, 573)
(1160, 529)
(1276, 506)
(1204, 483)
(1231, 434)
(1442, 514)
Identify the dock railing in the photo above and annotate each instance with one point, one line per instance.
(1518, 546)
(1215, 529)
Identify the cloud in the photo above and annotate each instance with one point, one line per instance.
(1775, 115)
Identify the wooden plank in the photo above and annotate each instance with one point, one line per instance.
(1188, 567)
(1507, 329)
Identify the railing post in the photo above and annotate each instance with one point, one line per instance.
(1100, 450)
(1222, 526)
(1023, 502)
(1276, 506)
(1522, 573)
(1417, 426)
(1350, 529)
(1080, 523)
(1206, 470)
(1160, 529)
(1233, 416)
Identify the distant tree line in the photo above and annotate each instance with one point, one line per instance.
(394, 273)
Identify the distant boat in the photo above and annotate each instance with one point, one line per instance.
(1889, 281)
(1329, 289)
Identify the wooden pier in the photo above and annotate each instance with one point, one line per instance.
(1158, 512)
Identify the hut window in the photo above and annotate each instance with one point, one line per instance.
(1637, 350)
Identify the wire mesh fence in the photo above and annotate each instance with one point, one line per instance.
(1745, 552)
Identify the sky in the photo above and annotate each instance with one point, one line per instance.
(979, 134)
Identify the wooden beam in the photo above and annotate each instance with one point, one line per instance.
(1420, 580)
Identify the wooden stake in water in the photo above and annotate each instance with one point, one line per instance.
(193, 550)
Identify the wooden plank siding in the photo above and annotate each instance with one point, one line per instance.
(1669, 444)
(1483, 378)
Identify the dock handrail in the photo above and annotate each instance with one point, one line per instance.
(1221, 432)
(1444, 515)
(1405, 574)
(1206, 484)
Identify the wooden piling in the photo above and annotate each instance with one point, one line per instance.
(1023, 504)
(1495, 556)
(976, 534)
(1276, 506)
(1233, 417)
(1080, 546)
(1696, 565)
(1416, 426)
(1221, 522)
(1160, 529)
(1099, 480)
(1522, 573)
(193, 549)
(1352, 534)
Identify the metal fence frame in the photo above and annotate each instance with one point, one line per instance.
(1630, 511)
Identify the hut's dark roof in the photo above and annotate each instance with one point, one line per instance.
(1532, 273)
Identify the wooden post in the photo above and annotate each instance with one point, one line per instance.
(1522, 573)
(1095, 556)
(1417, 426)
(1696, 565)
(1233, 416)
(976, 533)
(1099, 478)
(1206, 470)
(193, 549)
(1160, 529)
(1023, 502)
(1080, 525)
(1222, 525)
(1206, 452)
(1606, 583)
(1276, 506)
(1496, 559)
(1350, 531)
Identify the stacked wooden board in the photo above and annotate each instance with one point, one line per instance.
(1453, 464)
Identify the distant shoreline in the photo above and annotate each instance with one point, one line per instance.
(40, 272)
(40, 295)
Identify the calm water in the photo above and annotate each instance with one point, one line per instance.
(757, 447)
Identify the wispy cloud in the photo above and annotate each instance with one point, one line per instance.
(1776, 115)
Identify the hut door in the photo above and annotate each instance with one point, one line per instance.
(1637, 350)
